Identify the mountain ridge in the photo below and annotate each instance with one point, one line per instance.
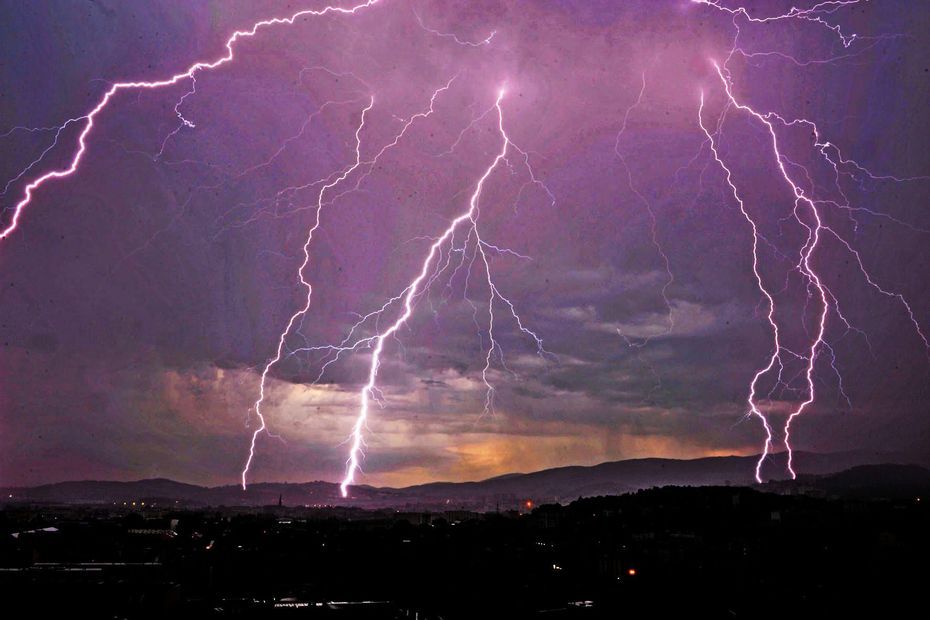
(548, 485)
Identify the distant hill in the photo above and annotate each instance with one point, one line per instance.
(875, 481)
(612, 478)
(560, 484)
(163, 491)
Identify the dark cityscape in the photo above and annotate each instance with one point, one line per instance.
(852, 544)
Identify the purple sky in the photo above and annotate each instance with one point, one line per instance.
(141, 297)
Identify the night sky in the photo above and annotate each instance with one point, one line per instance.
(141, 297)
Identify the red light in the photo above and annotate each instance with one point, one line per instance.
(631, 572)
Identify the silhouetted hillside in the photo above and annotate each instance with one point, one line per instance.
(560, 484)
(892, 481)
(616, 477)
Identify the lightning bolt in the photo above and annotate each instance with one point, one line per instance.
(184, 122)
(452, 36)
(279, 352)
(423, 279)
(321, 201)
(653, 227)
(815, 14)
(807, 212)
(751, 401)
(90, 117)
(436, 262)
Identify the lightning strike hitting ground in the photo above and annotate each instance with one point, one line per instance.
(368, 392)
(751, 402)
(322, 200)
(807, 213)
(279, 352)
